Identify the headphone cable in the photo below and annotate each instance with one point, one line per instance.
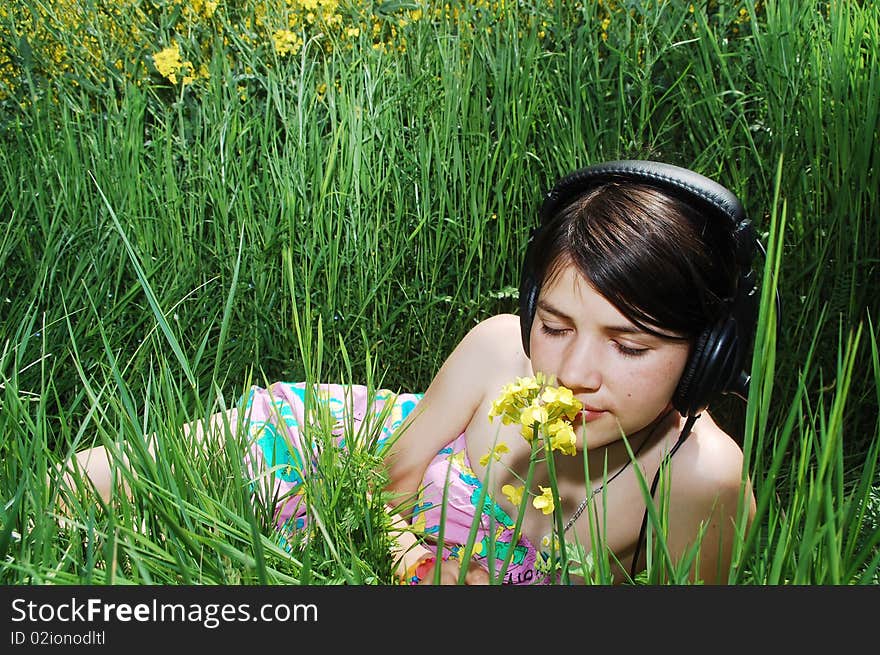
(688, 426)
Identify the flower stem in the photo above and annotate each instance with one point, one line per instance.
(521, 510)
(558, 530)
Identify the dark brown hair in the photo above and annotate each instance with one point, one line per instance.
(659, 261)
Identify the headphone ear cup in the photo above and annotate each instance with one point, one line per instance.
(528, 295)
(682, 399)
(713, 368)
(528, 299)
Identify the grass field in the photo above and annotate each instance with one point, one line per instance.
(196, 197)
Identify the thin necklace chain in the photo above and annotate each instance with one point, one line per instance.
(586, 501)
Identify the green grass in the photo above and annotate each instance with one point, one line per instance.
(164, 247)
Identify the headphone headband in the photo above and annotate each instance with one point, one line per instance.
(682, 183)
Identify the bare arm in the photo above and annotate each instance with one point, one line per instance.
(94, 464)
(444, 412)
(447, 407)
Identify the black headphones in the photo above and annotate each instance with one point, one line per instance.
(719, 361)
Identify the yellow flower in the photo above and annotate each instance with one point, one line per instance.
(544, 502)
(286, 42)
(167, 62)
(495, 453)
(513, 494)
(505, 407)
(205, 7)
(514, 397)
(533, 402)
(529, 417)
(562, 437)
(561, 400)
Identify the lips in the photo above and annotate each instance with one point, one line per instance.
(591, 415)
(588, 414)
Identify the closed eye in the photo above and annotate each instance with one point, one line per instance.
(552, 332)
(626, 351)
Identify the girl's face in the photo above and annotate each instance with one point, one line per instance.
(624, 377)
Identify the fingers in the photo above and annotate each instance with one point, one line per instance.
(450, 570)
(476, 575)
(448, 574)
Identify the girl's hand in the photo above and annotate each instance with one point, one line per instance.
(449, 572)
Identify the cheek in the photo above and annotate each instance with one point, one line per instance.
(537, 353)
(545, 354)
(539, 357)
(656, 379)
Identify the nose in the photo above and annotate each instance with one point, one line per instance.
(580, 368)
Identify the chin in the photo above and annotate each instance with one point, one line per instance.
(594, 433)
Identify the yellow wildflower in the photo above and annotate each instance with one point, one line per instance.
(505, 407)
(495, 453)
(514, 397)
(529, 417)
(544, 502)
(286, 42)
(562, 437)
(513, 494)
(561, 401)
(167, 62)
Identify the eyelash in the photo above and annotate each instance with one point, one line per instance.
(623, 350)
(630, 352)
(551, 332)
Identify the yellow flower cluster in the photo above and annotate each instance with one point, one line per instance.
(537, 405)
(167, 61)
(71, 43)
(286, 42)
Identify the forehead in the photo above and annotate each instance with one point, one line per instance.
(568, 291)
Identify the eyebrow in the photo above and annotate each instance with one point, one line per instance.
(627, 328)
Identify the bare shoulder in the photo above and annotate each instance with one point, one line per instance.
(490, 348)
(708, 496)
(710, 461)
(494, 347)
(491, 351)
(498, 335)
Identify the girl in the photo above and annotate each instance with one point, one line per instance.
(637, 295)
